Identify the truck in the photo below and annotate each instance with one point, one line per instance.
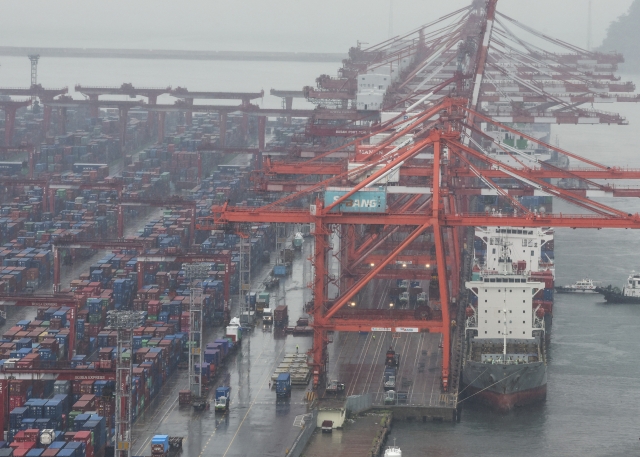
(422, 298)
(404, 298)
(250, 299)
(301, 328)
(287, 255)
(223, 394)
(280, 270)
(262, 302)
(403, 284)
(335, 387)
(283, 385)
(160, 444)
(247, 318)
(298, 239)
(392, 359)
(281, 315)
(271, 282)
(235, 333)
(389, 381)
(267, 316)
(396, 398)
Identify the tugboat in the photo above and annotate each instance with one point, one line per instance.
(584, 286)
(630, 293)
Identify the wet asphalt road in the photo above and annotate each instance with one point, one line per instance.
(257, 424)
(358, 359)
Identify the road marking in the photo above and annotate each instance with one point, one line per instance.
(158, 412)
(262, 384)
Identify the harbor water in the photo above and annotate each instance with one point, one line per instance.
(593, 390)
(593, 394)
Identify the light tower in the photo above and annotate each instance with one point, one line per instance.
(124, 322)
(34, 72)
(195, 272)
(34, 68)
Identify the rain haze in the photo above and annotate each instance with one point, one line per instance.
(274, 25)
(114, 134)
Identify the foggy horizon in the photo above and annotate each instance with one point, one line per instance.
(277, 25)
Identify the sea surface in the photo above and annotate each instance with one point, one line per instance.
(593, 394)
(593, 400)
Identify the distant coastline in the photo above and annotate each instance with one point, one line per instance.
(623, 35)
(172, 54)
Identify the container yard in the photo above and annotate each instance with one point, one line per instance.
(195, 277)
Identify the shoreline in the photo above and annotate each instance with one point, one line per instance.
(15, 51)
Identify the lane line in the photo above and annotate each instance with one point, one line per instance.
(262, 384)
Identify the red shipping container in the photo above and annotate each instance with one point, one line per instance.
(83, 436)
(16, 401)
(32, 434)
(86, 387)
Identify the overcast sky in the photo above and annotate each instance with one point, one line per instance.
(267, 25)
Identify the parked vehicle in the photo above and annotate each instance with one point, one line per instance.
(327, 426)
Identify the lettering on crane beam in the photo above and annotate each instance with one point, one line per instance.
(407, 330)
(357, 203)
(363, 201)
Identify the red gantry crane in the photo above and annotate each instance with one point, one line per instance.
(412, 172)
(442, 212)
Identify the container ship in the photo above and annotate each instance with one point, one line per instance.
(504, 363)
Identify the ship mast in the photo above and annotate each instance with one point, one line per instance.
(505, 267)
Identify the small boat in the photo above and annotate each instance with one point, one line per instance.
(393, 451)
(582, 286)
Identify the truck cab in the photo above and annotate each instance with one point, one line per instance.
(404, 298)
(222, 398)
(335, 386)
(283, 385)
(390, 397)
(389, 380)
(392, 359)
(262, 302)
(422, 298)
(267, 316)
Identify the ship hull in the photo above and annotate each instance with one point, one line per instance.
(506, 402)
(568, 290)
(504, 387)
(616, 297)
